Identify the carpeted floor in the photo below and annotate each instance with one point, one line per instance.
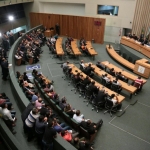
(130, 131)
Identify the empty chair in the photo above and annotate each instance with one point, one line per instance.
(124, 55)
(130, 60)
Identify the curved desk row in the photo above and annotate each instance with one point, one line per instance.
(59, 49)
(75, 70)
(141, 66)
(129, 88)
(144, 49)
(118, 58)
(128, 75)
(22, 101)
(75, 48)
(90, 49)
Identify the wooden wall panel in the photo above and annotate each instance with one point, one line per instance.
(141, 17)
(74, 26)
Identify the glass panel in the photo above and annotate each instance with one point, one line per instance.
(108, 10)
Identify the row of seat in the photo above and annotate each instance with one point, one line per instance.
(65, 116)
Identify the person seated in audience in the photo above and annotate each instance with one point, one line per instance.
(90, 126)
(112, 72)
(60, 127)
(86, 81)
(6, 101)
(40, 125)
(138, 83)
(28, 85)
(89, 70)
(68, 135)
(82, 65)
(44, 109)
(8, 117)
(99, 65)
(49, 88)
(121, 77)
(68, 110)
(34, 72)
(82, 41)
(78, 117)
(107, 78)
(134, 37)
(84, 49)
(116, 82)
(62, 103)
(65, 66)
(100, 98)
(129, 35)
(35, 96)
(115, 101)
(75, 141)
(69, 49)
(93, 88)
(39, 103)
(85, 145)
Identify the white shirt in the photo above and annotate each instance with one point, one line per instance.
(7, 115)
(78, 118)
(114, 101)
(83, 65)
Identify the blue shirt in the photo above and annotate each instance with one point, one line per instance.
(34, 98)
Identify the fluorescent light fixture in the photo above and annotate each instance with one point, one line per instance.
(11, 18)
(0, 34)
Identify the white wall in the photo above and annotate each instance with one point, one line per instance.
(89, 8)
(63, 8)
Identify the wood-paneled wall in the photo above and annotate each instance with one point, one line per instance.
(141, 17)
(74, 26)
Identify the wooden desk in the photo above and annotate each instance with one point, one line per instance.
(144, 49)
(75, 48)
(59, 49)
(124, 73)
(75, 70)
(142, 68)
(18, 61)
(49, 33)
(118, 58)
(129, 88)
(90, 49)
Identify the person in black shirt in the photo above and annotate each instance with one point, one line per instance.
(93, 88)
(89, 71)
(84, 145)
(86, 81)
(91, 127)
(57, 28)
(49, 134)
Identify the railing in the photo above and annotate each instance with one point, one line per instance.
(22, 101)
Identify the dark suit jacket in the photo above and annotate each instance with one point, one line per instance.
(90, 128)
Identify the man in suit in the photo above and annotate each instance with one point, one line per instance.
(90, 126)
(57, 28)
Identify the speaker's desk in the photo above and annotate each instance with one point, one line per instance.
(144, 49)
(142, 68)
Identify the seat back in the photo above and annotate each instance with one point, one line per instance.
(84, 133)
(59, 110)
(108, 104)
(67, 118)
(114, 87)
(75, 124)
(103, 81)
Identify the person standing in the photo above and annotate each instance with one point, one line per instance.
(4, 65)
(49, 134)
(57, 28)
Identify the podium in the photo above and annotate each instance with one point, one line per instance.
(142, 68)
(49, 33)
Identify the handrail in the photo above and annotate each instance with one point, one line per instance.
(22, 101)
